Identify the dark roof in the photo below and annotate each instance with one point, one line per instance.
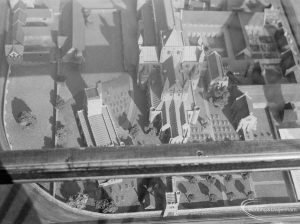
(91, 92)
(164, 14)
(287, 60)
(215, 66)
(149, 38)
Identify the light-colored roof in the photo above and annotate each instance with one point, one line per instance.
(272, 94)
(148, 54)
(174, 39)
(289, 133)
(103, 128)
(190, 54)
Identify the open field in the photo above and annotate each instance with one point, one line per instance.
(29, 89)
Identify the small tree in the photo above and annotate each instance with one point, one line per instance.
(212, 180)
(78, 201)
(106, 206)
(230, 196)
(212, 198)
(190, 197)
(60, 133)
(26, 119)
(245, 176)
(192, 179)
(228, 178)
(218, 93)
(250, 195)
(134, 131)
(59, 102)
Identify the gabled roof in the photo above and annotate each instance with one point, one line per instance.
(20, 5)
(148, 54)
(174, 38)
(19, 16)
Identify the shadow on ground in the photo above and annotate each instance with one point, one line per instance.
(17, 106)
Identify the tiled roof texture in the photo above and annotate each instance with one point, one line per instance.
(174, 38)
(110, 125)
(99, 130)
(85, 129)
(20, 16)
(148, 54)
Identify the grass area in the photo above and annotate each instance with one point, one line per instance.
(29, 89)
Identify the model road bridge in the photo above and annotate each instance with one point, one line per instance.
(146, 161)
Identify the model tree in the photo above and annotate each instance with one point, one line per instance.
(230, 196)
(106, 206)
(213, 198)
(190, 197)
(218, 93)
(134, 131)
(78, 201)
(27, 119)
(59, 102)
(61, 133)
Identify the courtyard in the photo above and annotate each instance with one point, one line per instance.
(29, 89)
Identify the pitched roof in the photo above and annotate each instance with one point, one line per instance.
(251, 19)
(163, 12)
(149, 37)
(18, 33)
(148, 54)
(103, 128)
(20, 16)
(85, 128)
(174, 38)
(190, 53)
(215, 66)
